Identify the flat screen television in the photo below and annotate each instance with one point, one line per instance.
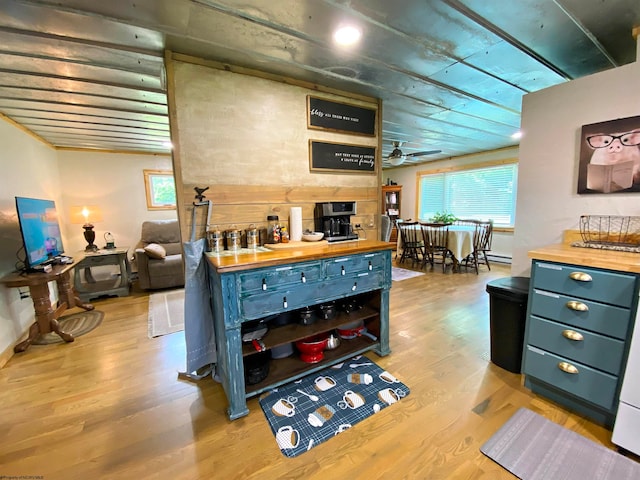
(40, 231)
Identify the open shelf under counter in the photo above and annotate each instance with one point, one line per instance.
(285, 370)
(293, 332)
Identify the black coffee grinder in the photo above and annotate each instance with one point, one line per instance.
(334, 220)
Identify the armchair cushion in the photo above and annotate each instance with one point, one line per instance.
(159, 256)
(155, 251)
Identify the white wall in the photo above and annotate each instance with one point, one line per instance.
(115, 182)
(408, 177)
(549, 157)
(29, 169)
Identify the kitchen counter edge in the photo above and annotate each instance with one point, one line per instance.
(588, 257)
(246, 261)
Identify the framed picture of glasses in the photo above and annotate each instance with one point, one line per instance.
(610, 157)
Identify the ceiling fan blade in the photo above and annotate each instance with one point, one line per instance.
(420, 154)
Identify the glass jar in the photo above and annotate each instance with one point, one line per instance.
(273, 229)
(233, 238)
(284, 235)
(214, 240)
(252, 237)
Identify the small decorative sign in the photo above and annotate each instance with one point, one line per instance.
(326, 114)
(341, 157)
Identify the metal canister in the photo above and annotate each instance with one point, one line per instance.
(214, 240)
(233, 239)
(252, 237)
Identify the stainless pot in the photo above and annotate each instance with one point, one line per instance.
(333, 342)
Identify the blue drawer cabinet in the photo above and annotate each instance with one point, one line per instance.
(612, 288)
(599, 387)
(355, 264)
(577, 344)
(252, 293)
(582, 313)
(269, 279)
(576, 338)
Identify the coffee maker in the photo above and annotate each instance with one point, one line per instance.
(334, 220)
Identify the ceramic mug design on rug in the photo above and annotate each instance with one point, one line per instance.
(342, 395)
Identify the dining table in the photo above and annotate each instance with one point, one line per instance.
(459, 241)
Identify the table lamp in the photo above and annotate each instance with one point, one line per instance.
(86, 215)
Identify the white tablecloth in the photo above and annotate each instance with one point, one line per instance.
(460, 241)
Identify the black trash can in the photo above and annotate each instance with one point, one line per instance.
(508, 315)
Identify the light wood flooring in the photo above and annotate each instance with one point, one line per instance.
(110, 405)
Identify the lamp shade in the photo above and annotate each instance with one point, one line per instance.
(86, 214)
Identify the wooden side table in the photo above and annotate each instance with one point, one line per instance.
(91, 288)
(46, 316)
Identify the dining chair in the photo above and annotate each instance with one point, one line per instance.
(485, 237)
(436, 238)
(481, 245)
(413, 246)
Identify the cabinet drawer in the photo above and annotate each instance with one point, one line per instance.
(361, 263)
(589, 384)
(266, 303)
(606, 319)
(607, 287)
(363, 282)
(595, 350)
(268, 279)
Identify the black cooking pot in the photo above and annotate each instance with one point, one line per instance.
(307, 316)
(256, 367)
(328, 310)
(350, 304)
(284, 318)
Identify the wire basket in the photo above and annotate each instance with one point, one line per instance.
(612, 230)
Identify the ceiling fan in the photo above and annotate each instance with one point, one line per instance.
(396, 157)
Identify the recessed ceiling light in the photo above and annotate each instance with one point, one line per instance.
(347, 35)
(517, 135)
(168, 145)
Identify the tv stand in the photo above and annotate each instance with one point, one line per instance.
(46, 316)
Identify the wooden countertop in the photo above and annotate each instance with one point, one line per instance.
(246, 261)
(588, 257)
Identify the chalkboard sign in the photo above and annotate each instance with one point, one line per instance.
(340, 117)
(340, 157)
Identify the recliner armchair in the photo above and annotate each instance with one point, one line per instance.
(159, 255)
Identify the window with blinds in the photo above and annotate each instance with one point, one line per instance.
(487, 193)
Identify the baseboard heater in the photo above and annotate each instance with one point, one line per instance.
(499, 259)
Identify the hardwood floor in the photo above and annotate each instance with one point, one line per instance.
(110, 405)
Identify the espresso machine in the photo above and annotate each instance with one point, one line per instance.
(334, 220)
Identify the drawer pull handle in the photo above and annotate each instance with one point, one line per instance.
(264, 284)
(580, 276)
(355, 285)
(342, 272)
(567, 367)
(572, 335)
(284, 302)
(303, 278)
(370, 266)
(577, 306)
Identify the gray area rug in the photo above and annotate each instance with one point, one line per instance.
(76, 324)
(398, 274)
(166, 312)
(534, 448)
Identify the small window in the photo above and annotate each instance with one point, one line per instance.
(160, 188)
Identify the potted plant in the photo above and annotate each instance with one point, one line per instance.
(443, 217)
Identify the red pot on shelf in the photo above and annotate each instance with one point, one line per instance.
(312, 348)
